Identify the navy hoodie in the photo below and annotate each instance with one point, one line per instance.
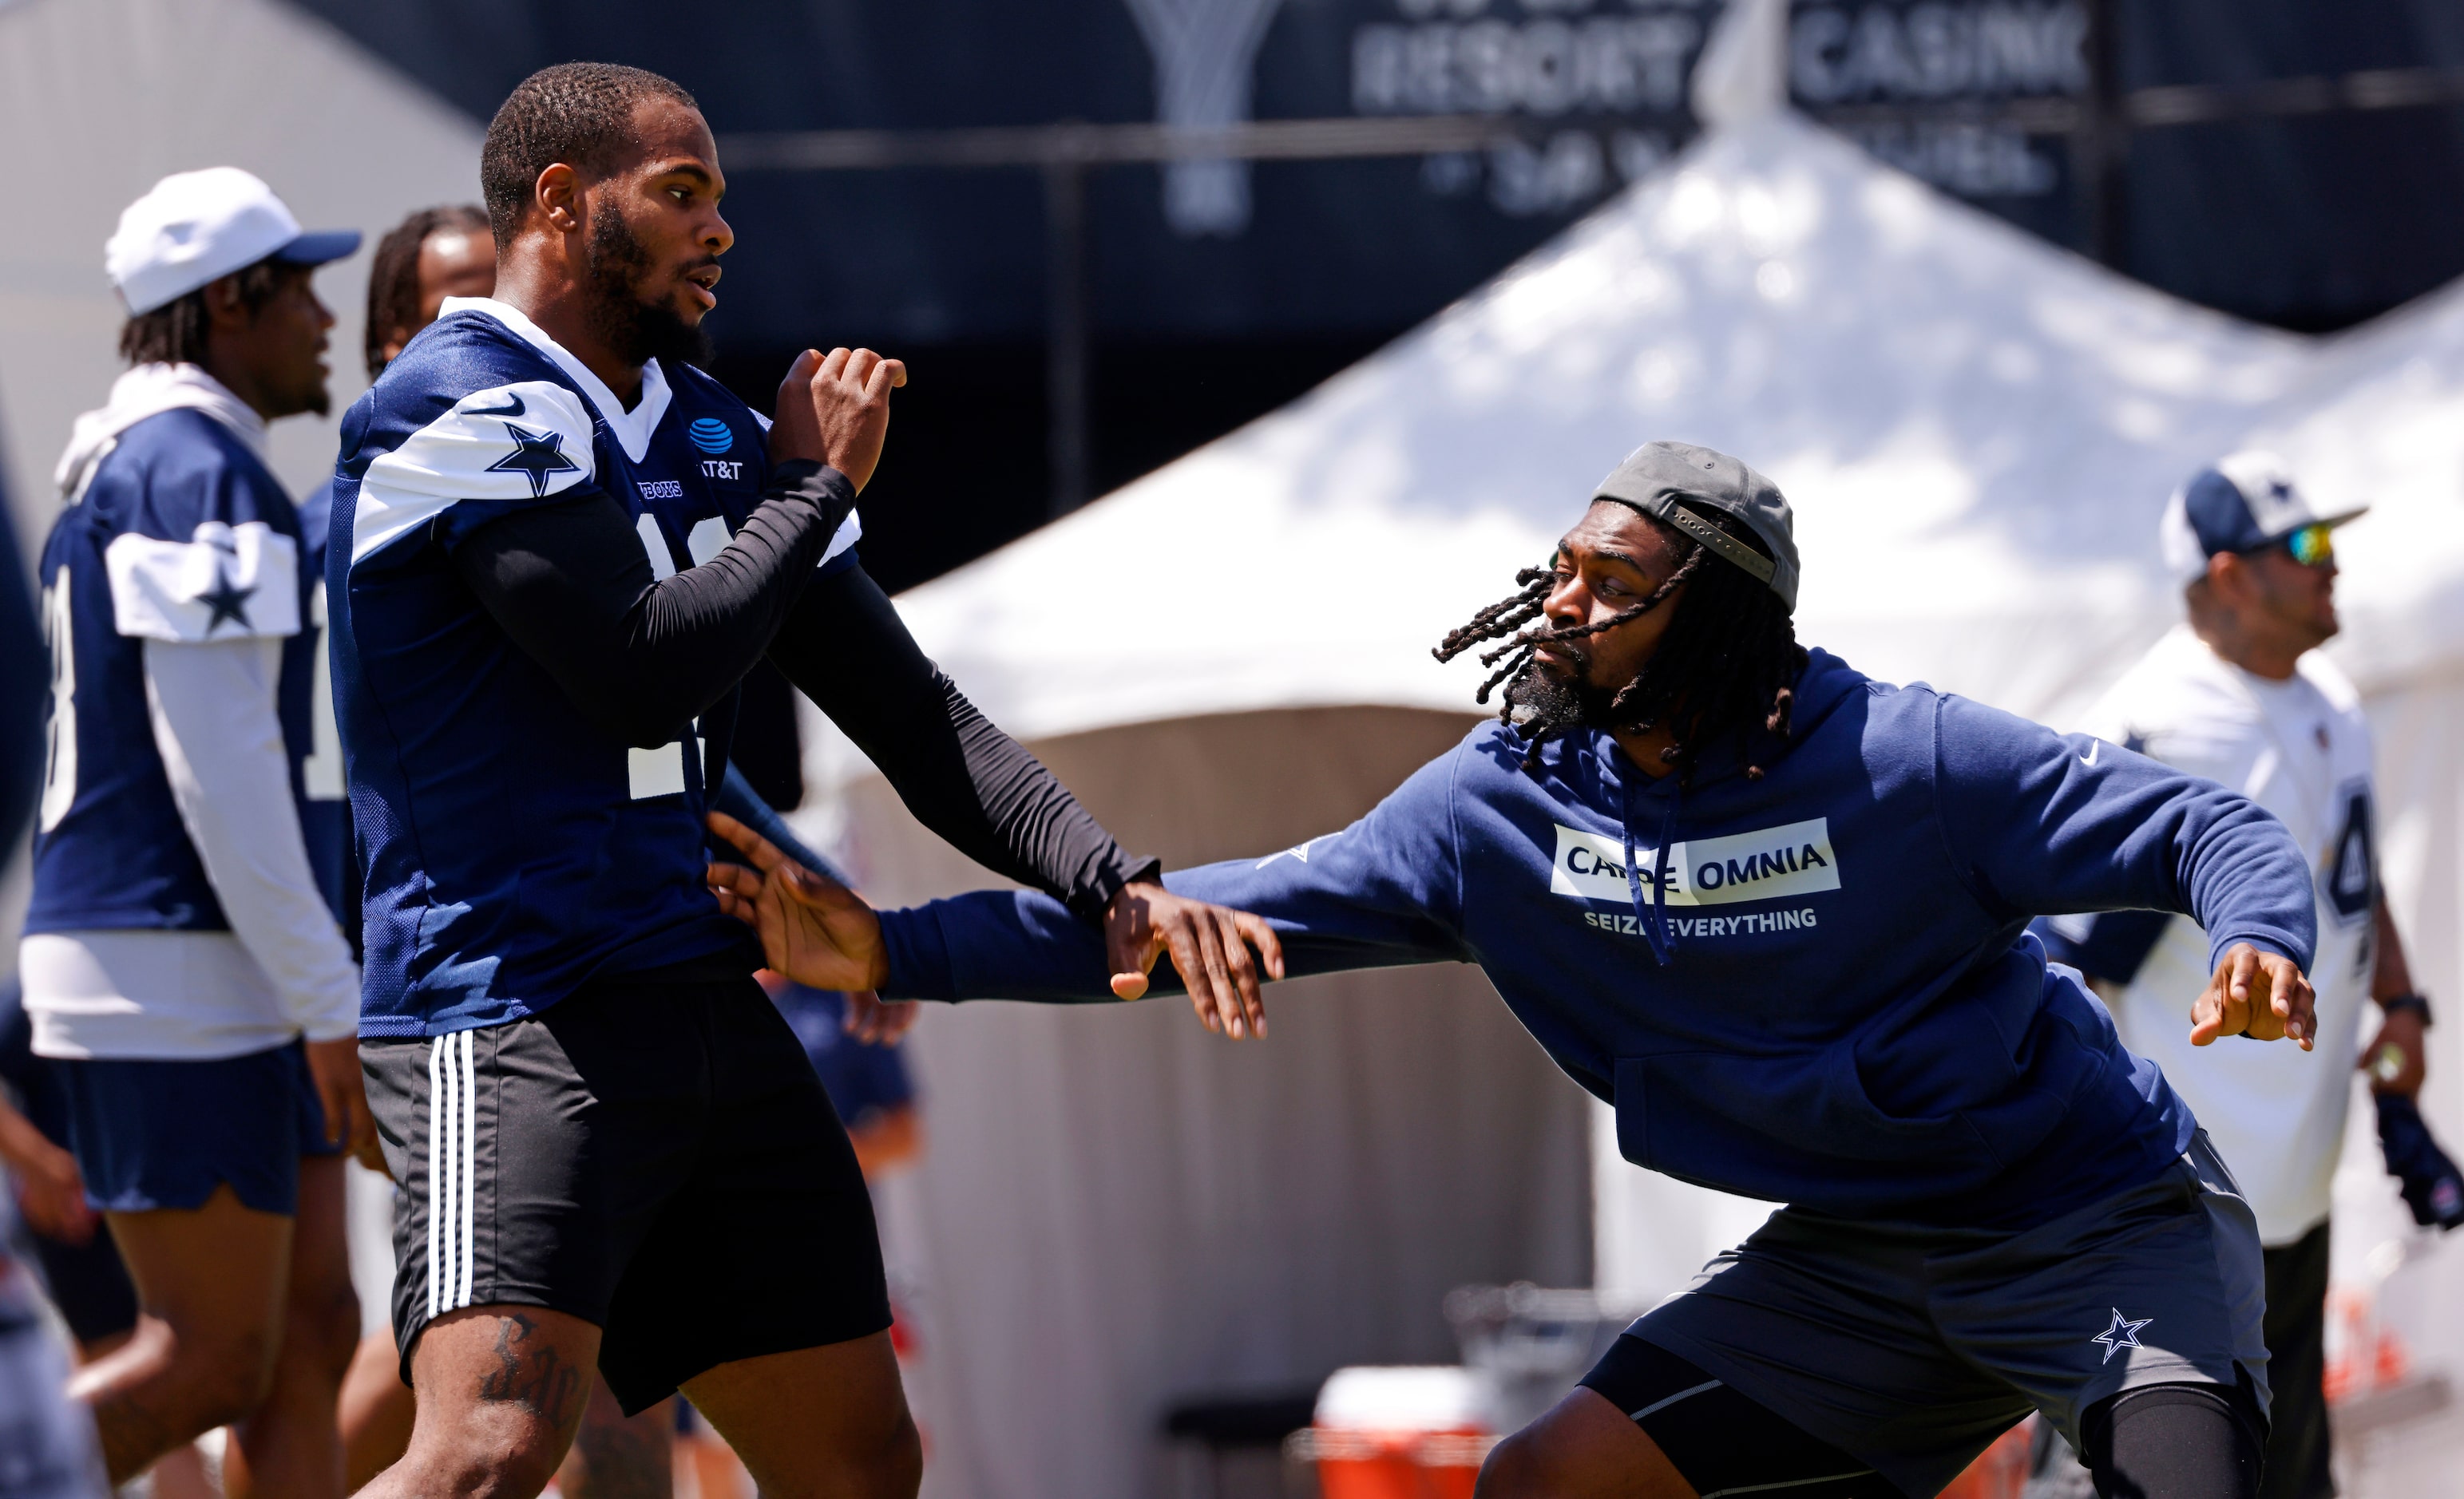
(1814, 988)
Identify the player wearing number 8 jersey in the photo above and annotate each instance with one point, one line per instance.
(178, 951)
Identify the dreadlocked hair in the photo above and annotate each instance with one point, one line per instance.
(175, 332)
(393, 275)
(1727, 664)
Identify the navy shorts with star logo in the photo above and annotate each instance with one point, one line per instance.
(1913, 1347)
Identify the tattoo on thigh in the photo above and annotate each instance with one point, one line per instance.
(537, 1380)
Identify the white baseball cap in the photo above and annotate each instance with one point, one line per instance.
(192, 228)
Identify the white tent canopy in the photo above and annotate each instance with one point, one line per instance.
(114, 94)
(1977, 432)
(1972, 425)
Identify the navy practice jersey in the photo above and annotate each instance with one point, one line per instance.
(181, 535)
(510, 849)
(325, 817)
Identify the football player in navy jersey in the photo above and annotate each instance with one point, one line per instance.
(556, 549)
(179, 965)
(432, 254)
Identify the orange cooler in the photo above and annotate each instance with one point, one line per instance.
(1401, 1432)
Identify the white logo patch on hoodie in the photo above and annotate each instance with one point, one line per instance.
(1770, 864)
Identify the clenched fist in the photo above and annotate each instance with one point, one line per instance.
(835, 408)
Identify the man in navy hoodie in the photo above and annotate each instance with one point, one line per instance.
(1775, 913)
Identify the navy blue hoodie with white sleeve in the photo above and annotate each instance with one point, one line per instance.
(1814, 988)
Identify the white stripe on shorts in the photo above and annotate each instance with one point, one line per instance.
(1638, 1415)
(436, 1153)
(469, 1135)
(452, 1154)
(1794, 1483)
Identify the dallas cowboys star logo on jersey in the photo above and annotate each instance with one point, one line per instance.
(225, 601)
(2123, 1333)
(536, 455)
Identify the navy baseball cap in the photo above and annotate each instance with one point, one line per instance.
(1657, 476)
(2243, 503)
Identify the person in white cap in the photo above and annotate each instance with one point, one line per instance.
(2239, 693)
(179, 962)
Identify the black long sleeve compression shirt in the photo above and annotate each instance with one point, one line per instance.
(845, 646)
(571, 584)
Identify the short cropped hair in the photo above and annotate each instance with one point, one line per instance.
(577, 113)
(175, 332)
(393, 275)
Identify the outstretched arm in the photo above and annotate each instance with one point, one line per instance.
(820, 933)
(1382, 893)
(846, 649)
(2047, 825)
(845, 646)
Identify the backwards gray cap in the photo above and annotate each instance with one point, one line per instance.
(1657, 475)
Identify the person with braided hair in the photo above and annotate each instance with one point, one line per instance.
(1732, 655)
(1776, 913)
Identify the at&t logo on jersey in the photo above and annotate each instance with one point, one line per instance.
(714, 436)
(1769, 865)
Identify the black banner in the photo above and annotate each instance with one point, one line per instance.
(2312, 219)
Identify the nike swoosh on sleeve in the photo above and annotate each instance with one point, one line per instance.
(513, 408)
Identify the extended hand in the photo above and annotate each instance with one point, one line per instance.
(1209, 945)
(815, 931)
(333, 1067)
(834, 410)
(2257, 994)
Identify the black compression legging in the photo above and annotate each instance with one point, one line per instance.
(2156, 1442)
(2175, 1442)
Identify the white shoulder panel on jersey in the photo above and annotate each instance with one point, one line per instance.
(525, 441)
(226, 583)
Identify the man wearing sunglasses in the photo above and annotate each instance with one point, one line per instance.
(2240, 695)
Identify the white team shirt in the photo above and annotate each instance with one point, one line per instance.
(2301, 749)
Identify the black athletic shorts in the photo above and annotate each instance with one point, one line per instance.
(654, 1158)
(2195, 1441)
(1722, 1442)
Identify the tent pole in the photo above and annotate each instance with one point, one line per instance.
(1066, 332)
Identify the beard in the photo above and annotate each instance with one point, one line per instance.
(636, 329)
(1541, 703)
